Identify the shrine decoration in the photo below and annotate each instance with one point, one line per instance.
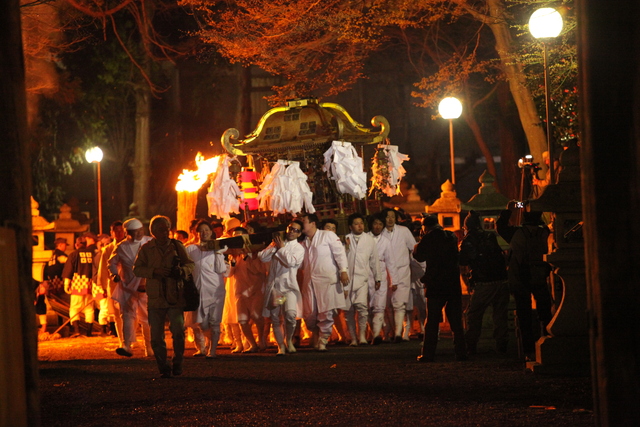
(387, 169)
(343, 165)
(224, 194)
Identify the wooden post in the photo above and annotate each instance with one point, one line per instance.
(609, 87)
(19, 404)
(187, 201)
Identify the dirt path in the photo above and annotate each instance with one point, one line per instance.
(84, 383)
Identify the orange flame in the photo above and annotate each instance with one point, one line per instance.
(192, 181)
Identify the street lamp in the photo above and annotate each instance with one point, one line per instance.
(450, 108)
(94, 155)
(544, 25)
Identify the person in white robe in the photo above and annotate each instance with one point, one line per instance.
(250, 276)
(208, 274)
(282, 295)
(325, 275)
(339, 334)
(362, 257)
(378, 294)
(129, 292)
(402, 244)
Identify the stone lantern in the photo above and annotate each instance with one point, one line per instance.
(67, 227)
(447, 207)
(488, 203)
(566, 349)
(40, 254)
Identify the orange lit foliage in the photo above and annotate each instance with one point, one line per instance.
(318, 45)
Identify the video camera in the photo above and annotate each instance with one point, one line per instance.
(527, 162)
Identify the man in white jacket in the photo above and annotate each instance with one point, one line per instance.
(362, 257)
(402, 244)
(105, 280)
(282, 294)
(129, 292)
(378, 291)
(325, 275)
(210, 269)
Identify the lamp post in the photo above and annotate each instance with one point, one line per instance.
(450, 108)
(546, 24)
(94, 155)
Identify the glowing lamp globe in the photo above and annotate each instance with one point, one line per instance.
(545, 23)
(450, 108)
(93, 155)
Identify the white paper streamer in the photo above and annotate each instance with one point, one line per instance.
(285, 189)
(224, 194)
(344, 166)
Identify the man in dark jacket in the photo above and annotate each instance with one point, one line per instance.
(528, 274)
(484, 271)
(439, 248)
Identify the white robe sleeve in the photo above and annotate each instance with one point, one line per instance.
(291, 256)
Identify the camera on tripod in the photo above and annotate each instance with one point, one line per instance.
(527, 162)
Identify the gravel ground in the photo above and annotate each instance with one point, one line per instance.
(84, 383)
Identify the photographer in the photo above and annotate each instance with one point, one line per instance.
(538, 185)
(164, 262)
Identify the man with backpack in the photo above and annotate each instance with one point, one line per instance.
(528, 273)
(484, 271)
(439, 248)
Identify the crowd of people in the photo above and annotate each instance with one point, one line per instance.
(364, 288)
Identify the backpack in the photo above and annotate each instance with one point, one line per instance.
(535, 269)
(489, 263)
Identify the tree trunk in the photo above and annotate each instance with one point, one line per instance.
(508, 144)
(141, 165)
(19, 382)
(515, 76)
(470, 117)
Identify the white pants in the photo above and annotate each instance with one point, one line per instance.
(134, 311)
(103, 305)
(81, 303)
(320, 320)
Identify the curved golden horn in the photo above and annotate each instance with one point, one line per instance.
(227, 136)
(382, 122)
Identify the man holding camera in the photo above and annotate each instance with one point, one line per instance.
(164, 262)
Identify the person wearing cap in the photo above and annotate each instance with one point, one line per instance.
(439, 249)
(103, 278)
(230, 224)
(91, 241)
(53, 270)
(130, 292)
(527, 274)
(325, 274)
(53, 282)
(484, 271)
(402, 243)
(77, 274)
(164, 262)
